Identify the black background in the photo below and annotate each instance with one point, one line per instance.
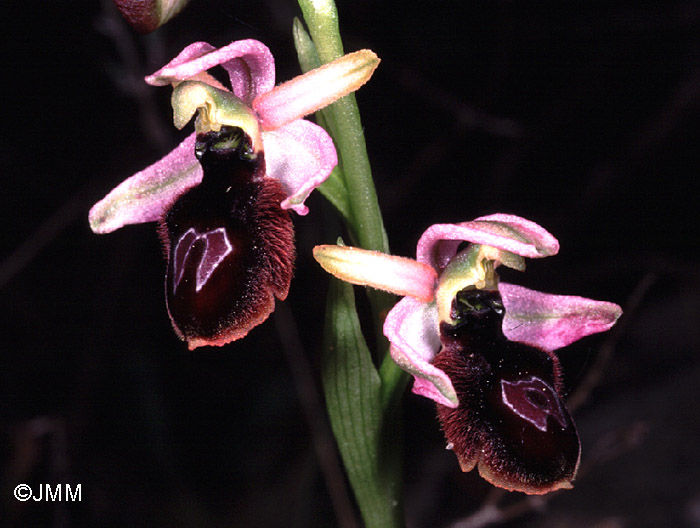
(583, 118)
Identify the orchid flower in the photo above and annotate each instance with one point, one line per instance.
(222, 196)
(483, 349)
(147, 15)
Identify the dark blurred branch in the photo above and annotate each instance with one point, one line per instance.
(467, 116)
(314, 410)
(682, 103)
(128, 75)
(47, 232)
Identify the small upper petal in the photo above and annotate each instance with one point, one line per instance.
(300, 155)
(249, 63)
(147, 195)
(439, 242)
(412, 328)
(363, 267)
(315, 89)
(187, 64)
(549, 321)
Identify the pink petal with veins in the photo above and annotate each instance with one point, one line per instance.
(549, 321)
(301, 156)
(171, 72)
(315, 89)
(439, 242)
(412, 328)
(147, 195)
(364, 267)
(249, 63)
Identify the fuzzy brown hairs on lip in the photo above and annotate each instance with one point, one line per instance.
(230, 245)
(511, 421)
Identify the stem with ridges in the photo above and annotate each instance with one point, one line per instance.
(360, 209)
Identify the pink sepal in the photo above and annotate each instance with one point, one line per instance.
(147, 195)
(439, 242)
(249, 63)
(549, 321)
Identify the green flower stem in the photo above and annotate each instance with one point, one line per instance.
(350, 187)
(362, 401)
(353, 398)
(322, 20)
(333, 189)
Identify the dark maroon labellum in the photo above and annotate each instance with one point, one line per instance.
(230, 245)
(511, 420)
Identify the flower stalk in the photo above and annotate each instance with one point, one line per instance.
(351, 190)
(321, 17)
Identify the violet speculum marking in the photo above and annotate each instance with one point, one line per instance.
(533, 400)
(217, 247)
(529, 396)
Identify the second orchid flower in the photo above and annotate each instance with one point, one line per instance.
(483, 349)
(222, 197)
